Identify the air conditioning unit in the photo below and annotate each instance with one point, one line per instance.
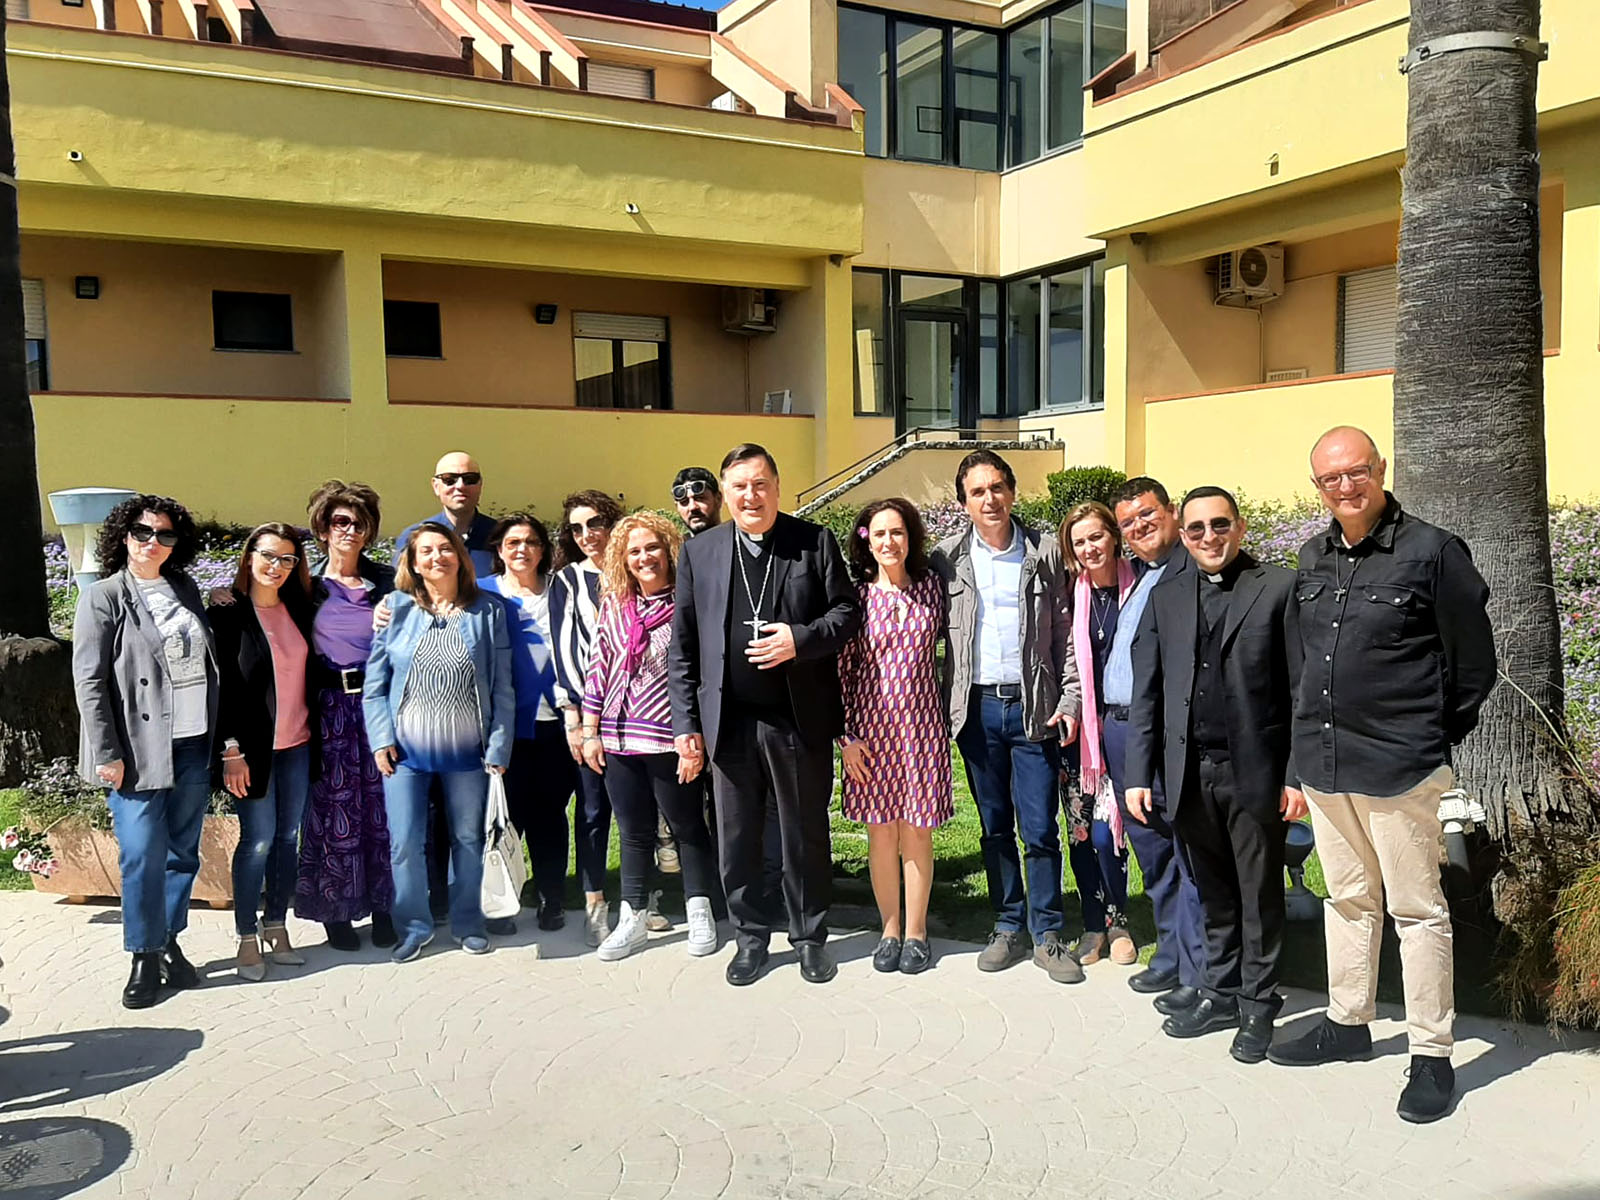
(1250, 276)
(748, 311)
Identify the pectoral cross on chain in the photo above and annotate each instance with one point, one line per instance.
(756, 621)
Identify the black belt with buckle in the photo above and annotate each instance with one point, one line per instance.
(352, 679)
(1117, 712)
(1002, 691)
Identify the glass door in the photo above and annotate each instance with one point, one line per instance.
(932, 386)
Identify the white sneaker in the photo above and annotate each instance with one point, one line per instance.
(702, 927)
(653, 920)
(596, 922)
(628, 936)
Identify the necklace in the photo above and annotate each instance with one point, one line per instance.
(1105, 613)
(1340, 587)
(755, 622)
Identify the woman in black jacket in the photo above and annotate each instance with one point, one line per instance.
(268, 737)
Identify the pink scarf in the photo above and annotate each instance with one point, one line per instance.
(636, 629)
(1091, 753)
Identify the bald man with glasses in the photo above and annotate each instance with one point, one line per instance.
(458, 483)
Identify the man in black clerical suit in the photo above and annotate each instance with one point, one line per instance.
(1216, 667)
(764, 605)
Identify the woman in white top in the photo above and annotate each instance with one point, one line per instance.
(145, 670)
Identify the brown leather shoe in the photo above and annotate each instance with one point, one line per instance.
(1124, 950)
(1090, 948)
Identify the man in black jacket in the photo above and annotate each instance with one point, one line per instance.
(764, 605)
(1399, 657)
(1216, 666)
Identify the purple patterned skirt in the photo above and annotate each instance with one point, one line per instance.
(344, 842)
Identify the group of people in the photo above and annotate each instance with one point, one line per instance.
(1136, 672)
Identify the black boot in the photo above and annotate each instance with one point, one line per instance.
(176, 970)
(144, 981)
(341, 935)
(1430, 1092)
(383, 934)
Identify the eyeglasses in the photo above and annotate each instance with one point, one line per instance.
(143, 533)
(1144, 514)
(1221, 526)
(527, 543)
(685, 492)
(465, 478)
(286, 561)
(1356, 475)
(592, 525)
(343, 521)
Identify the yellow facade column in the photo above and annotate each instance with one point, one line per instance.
(1123, 448)
(355, 310)
(835, 444)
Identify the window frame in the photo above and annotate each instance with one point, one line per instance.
(663, 365)
(886, 308)
(438, 313)
(216, 335)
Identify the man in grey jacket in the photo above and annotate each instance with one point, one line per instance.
(1011, 689)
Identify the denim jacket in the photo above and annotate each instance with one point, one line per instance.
(483, 627)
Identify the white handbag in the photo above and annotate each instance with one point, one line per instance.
(503, 870)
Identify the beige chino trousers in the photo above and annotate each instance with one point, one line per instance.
(1373, 847)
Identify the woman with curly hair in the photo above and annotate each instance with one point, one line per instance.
(627, 732)
(896, 746)
(146, 674)
(581, 541)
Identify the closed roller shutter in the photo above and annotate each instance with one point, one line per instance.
(1368, 307)
(16, 10)
(636, 82)
(626, 329)
(32, 308)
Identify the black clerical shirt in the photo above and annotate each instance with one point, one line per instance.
(1210, 719)
(764, 692)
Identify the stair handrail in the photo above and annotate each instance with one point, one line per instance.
(822, 486)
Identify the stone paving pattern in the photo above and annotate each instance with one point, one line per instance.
(539, 1071)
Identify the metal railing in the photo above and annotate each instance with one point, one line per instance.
(914, 434)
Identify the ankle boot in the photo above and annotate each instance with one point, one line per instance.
(341, 935)
(383, 931)
(144, 981)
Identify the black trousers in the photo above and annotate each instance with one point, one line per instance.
(539, 786)
(1238, 869)
(641, 786)
(760, 763)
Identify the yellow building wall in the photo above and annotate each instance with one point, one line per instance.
(797, 40)
(495, 353)
(1044, 214)
(55, 12)
(919, 217)
(686, 85)
(151, 330)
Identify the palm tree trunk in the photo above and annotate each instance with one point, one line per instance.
(1469, 390)
(24, 605)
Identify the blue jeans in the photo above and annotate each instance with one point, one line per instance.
(1015, 783)
(158, 847)
(269, 842)
(1180, 924)
(466, 796)
(1102, 877)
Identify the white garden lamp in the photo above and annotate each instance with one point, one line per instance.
(79, 513)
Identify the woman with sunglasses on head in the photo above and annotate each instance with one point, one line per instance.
(344, 842)
(586, 521)
(542, 776)
(1102, 578)
(145, 670)
(269, 751)
(440, 705)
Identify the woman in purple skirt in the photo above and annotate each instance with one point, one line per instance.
(344, 843)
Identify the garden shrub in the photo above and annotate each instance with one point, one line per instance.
(1079, 485)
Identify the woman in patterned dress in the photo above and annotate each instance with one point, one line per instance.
(440, 703)
(896, 745)
(344, 843)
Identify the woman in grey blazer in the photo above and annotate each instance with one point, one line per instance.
(145, 670)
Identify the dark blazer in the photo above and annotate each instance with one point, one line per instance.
(815, 597)
(1261, 657)
(249, 707)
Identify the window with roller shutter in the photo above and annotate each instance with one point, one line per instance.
(621, 361)
(1368, 308)
(33, 334)
(610, 79)
(16, 10)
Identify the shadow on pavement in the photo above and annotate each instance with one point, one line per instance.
(65, 1068)
(42, 1158)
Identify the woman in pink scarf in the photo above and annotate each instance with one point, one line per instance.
(1102, 579)
(627, 732)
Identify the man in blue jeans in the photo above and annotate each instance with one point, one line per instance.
(1011, 689)
(1149, 523)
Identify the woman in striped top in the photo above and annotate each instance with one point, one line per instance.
(584, 534)
(627, 731)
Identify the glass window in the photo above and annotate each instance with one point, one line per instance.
(251, 321)
(933, 291)
(919, 91)
(1109, 35)
(1097, 333)
(1022, 346)
(871, 343)
(864, 70)
(38, 364)
(1024, 92)
(1064, 102)
(1066, 339)
(976, 56)
(411, 329)
(989, 349)
(620, 373)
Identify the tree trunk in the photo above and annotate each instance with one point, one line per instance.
(24, 605)
(1469, 391)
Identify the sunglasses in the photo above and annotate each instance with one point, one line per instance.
(466, 478)
(685, 492)
(1195, 530)
(286, 561)
(592, 525)
(143, 533)
(343, 521)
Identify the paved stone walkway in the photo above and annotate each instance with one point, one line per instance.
(539, 1071)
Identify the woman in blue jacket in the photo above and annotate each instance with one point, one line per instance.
(440, 701)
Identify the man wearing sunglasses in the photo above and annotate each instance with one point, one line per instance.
(1216, 668)
(458, 482)
(698, 499)
(1399, 658)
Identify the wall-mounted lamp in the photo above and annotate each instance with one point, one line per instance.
(631, 209)
(544, 314)
(86, 287)
(74, 155)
